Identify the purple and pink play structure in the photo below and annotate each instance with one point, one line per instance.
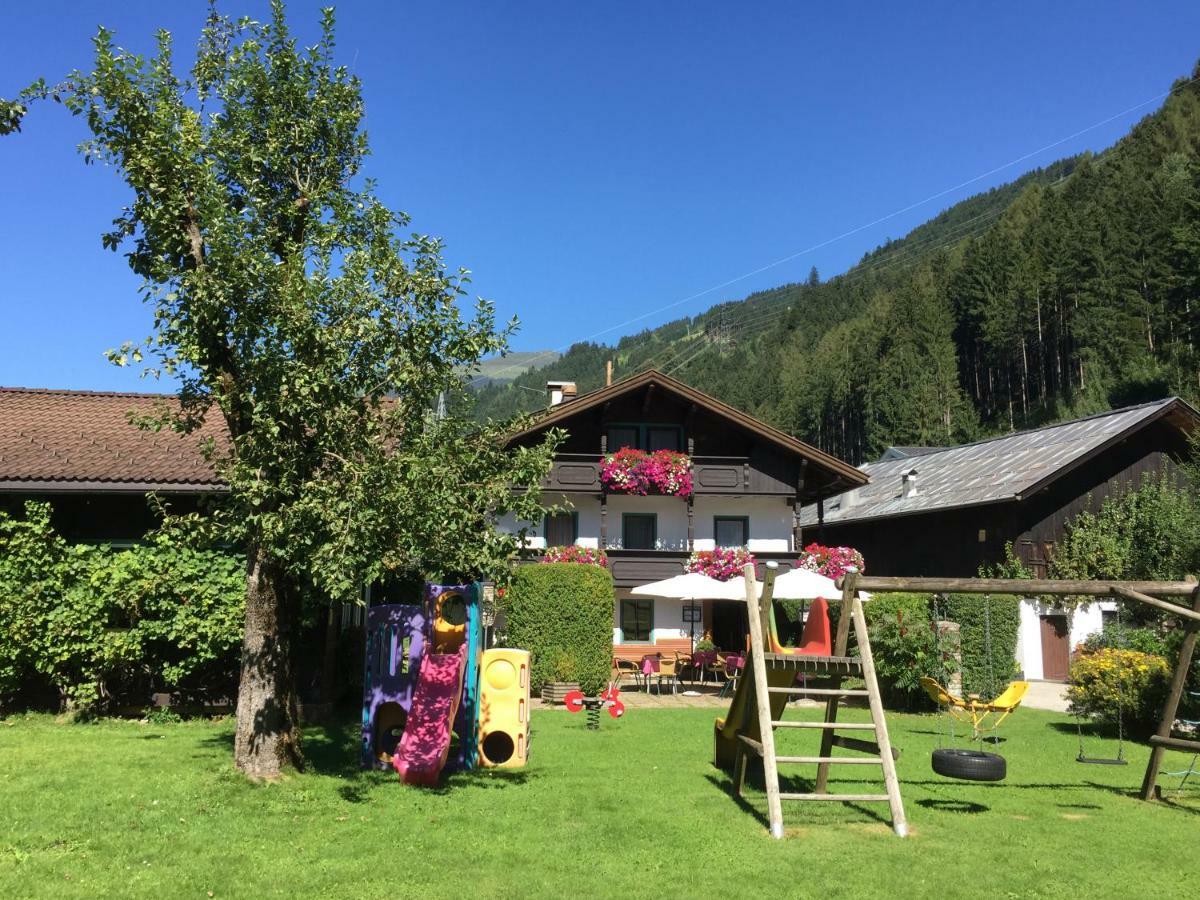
(420, 683)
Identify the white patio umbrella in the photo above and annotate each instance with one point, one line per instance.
(693, 586)
(803, 584)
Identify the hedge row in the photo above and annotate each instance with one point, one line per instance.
(562, 613)
(977, 615)
(104, 627)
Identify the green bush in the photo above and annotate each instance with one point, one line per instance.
(1152, 533)
(1112, 684)
(1154, 640)
(977, 615)
(1144, 640)
(884, 607)
(789, 620)
(562, 613)
(104, 625)
(907, 648)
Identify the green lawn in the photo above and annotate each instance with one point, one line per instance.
(127, 809)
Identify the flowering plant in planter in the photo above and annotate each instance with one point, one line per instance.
(722, 564)
(572, 553)
(832, 562)
(633, 471)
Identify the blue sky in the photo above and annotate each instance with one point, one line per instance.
(592, 163)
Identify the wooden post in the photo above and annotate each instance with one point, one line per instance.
(1171, 707)
(691, 513)
(899, 823)
(1032, 587)
(797, 504)
(1173, 608)
(329, 657)
(603, 494)
(608, 373)
(770, 571)
(840, 645)
(762, 695)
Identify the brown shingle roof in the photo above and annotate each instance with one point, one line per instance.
(559, 414)
(82, 440)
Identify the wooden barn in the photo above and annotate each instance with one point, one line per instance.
(947, 510)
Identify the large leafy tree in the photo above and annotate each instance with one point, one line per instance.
(285, 303)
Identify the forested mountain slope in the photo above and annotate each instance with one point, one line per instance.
(1072, 290)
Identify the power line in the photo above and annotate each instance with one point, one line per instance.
(905, 257)
(853, 231)
(755, 321)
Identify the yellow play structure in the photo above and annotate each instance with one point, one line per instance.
(974, 710)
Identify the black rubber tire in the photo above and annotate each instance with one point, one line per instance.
(970, 765)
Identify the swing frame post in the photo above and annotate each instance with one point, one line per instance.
(1149, 593)
(1171, 707)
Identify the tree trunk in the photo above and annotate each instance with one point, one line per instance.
(268, 737)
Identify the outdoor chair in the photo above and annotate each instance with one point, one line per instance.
(715, 667)
(669, 669)
(626, 667)
(733, 670)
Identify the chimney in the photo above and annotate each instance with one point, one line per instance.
(908, 484)
(561, 391)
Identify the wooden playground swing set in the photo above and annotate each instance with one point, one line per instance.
(757, 711)
(1149, 593)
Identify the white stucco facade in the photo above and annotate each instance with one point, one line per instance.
(668, 621)
(769, 521)
(1084, 622)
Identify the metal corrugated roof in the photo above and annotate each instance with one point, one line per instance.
(1001, 468)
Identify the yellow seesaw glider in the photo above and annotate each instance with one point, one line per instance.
(983, 715)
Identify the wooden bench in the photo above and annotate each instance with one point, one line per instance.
(667, 647)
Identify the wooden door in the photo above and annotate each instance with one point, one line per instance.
(730, 625)
(1056, 648)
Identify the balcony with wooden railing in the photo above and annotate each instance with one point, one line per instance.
(630, 568)
(580, 473)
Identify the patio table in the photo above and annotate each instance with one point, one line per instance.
(700, 661)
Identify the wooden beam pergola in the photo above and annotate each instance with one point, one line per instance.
(1146, 592)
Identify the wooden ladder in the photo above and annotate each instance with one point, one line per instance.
(837, 668)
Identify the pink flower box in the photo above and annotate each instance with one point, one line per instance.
(574, 554)
(832, 562)
(722, 564)
(632, 471)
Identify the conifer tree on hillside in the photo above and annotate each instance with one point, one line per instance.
(1070, 291)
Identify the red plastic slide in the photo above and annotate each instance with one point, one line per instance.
(422, 751)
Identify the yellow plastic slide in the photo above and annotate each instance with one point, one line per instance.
(741, 718)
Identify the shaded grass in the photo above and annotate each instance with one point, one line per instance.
(635, 809)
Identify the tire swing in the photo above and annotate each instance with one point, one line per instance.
(954, 762)
(969, 765)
